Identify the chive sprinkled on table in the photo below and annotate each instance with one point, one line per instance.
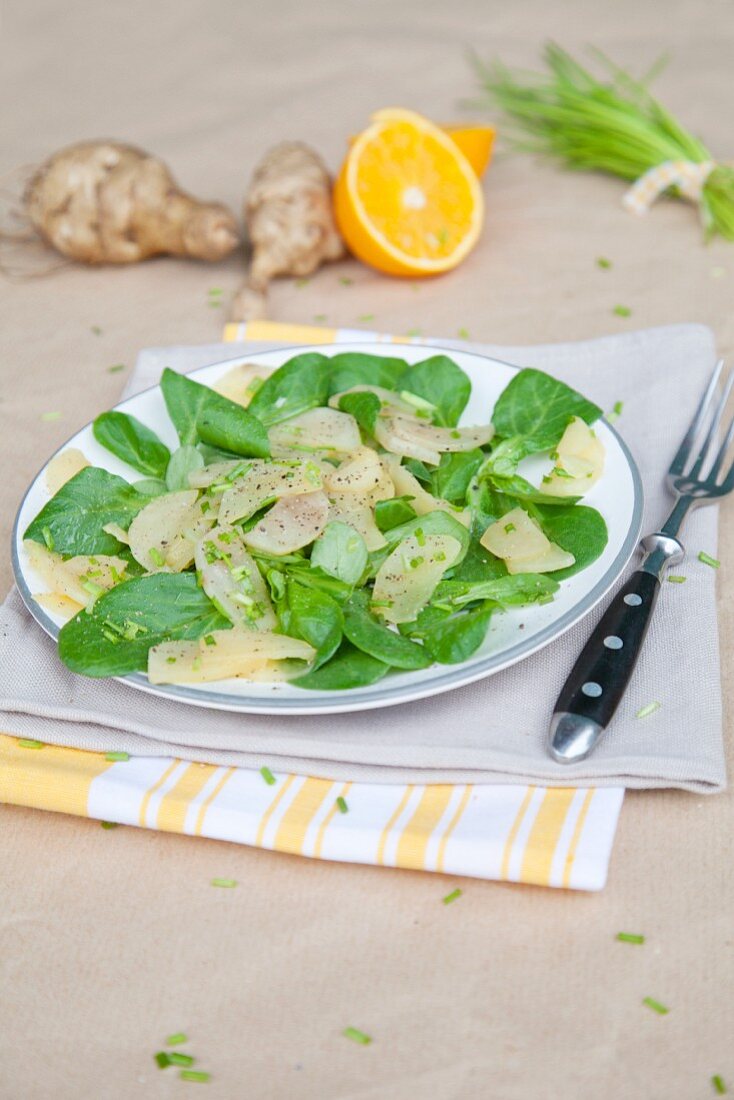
(177, 1039)
(630, 937)
(452, 896)
(177, 1059)
(109, 824)
(603, 263)
(162, 1059)
(342, 805)
(676, 578)
(622, 311)
(195, 1075)
(268, 776)
(616, 412)
(116, 757)
(719, 1085)
(29, 743)
(357, 1036)
(649, 708)
(226, 883)
(708, 560)
(656, 1006)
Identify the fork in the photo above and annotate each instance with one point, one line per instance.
(599, 678)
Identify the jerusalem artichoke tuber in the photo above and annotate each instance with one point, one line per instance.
(290, 221)
(105, 202)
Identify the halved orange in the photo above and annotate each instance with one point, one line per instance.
(475, 142)
(407, 200)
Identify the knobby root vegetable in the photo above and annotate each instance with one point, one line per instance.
(290, 221)
(105, 202)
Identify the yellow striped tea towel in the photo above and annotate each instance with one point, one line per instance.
(548, 836)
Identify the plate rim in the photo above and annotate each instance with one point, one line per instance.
(447, 681)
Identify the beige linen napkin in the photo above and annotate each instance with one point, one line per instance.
(493, 731)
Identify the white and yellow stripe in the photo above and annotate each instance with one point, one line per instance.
(282, 333)
(545, 836)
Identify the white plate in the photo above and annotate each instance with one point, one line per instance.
(513, 635)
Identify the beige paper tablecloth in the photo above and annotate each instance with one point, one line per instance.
(112, 940)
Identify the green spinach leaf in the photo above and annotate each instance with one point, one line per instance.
(450, 480)
(348, 668)
(364, 407)
(440, 381)
(532, 414)
(316, 618)
(300, 384)
(391, 513)
(457, 637)
(355, 368)
(341, 552)
(199, 413)
(183, 462)
(114, 637)
(580, 530)
(372, 637)
(72, 521)
(133, 442)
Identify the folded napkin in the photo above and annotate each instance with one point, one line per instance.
(413, 768)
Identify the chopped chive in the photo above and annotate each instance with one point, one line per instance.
(345, 280)
(194, 1075)
(117, 756)
(464, 334)
(116, 368)
(661, 1010)
(616, 412)
(319, 318)
(342, 804)
(414, 332)
(215, 291)
(622, 311)
(268, 776)
(630, 937)
(649, 708)
(509, 528)
(181, 1059)
(109, 824)
(420, 537)
(29, 743)
(439, 556)
(708, 560)
(156, 557)
(675, 578)
(603, 263)
(366, 317)
(357, 1036)
(209, 639)
(381, 603)
(415, 562)
(48, 537)
(452, 896)
(226, 883)
(95, 329)
(719, 1085)
(162, 1059)
(51, 416)
(176, 1039)
(300, 283)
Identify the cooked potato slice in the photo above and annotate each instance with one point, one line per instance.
(81, 578)
(354, 509)
(363, 472)
(152, 534)
(327, 430)
(267, 481)
(232, 580)
(516, 536)
(580, 462)
(63, 467)
(291, 524)
(222, 655)
(240, 383)
(407, 578)
(423, 502)
(57, 604)
(415, 438)
(524, 548)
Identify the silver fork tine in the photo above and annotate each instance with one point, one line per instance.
(728, 440)
(728, 483)
(713, 429)
(678, 463)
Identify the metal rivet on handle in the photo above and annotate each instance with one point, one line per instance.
(613, 642)
(632, 599)
(592, 689)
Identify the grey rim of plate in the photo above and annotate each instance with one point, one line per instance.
(381, 696)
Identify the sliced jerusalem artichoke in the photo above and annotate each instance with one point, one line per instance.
(62, 606)
(519, 542)
(241, 383)
(422, 501)
(292, 523)
(154, 531)
(327, 430)
(415, 438)
(407, 578)
(363, 472)
(353, 509)
(81, 578)
(63, 467)
(232, 581)
(267, 481)
(117, 532)
(222, 655)
(579, 461)
(391, 404)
